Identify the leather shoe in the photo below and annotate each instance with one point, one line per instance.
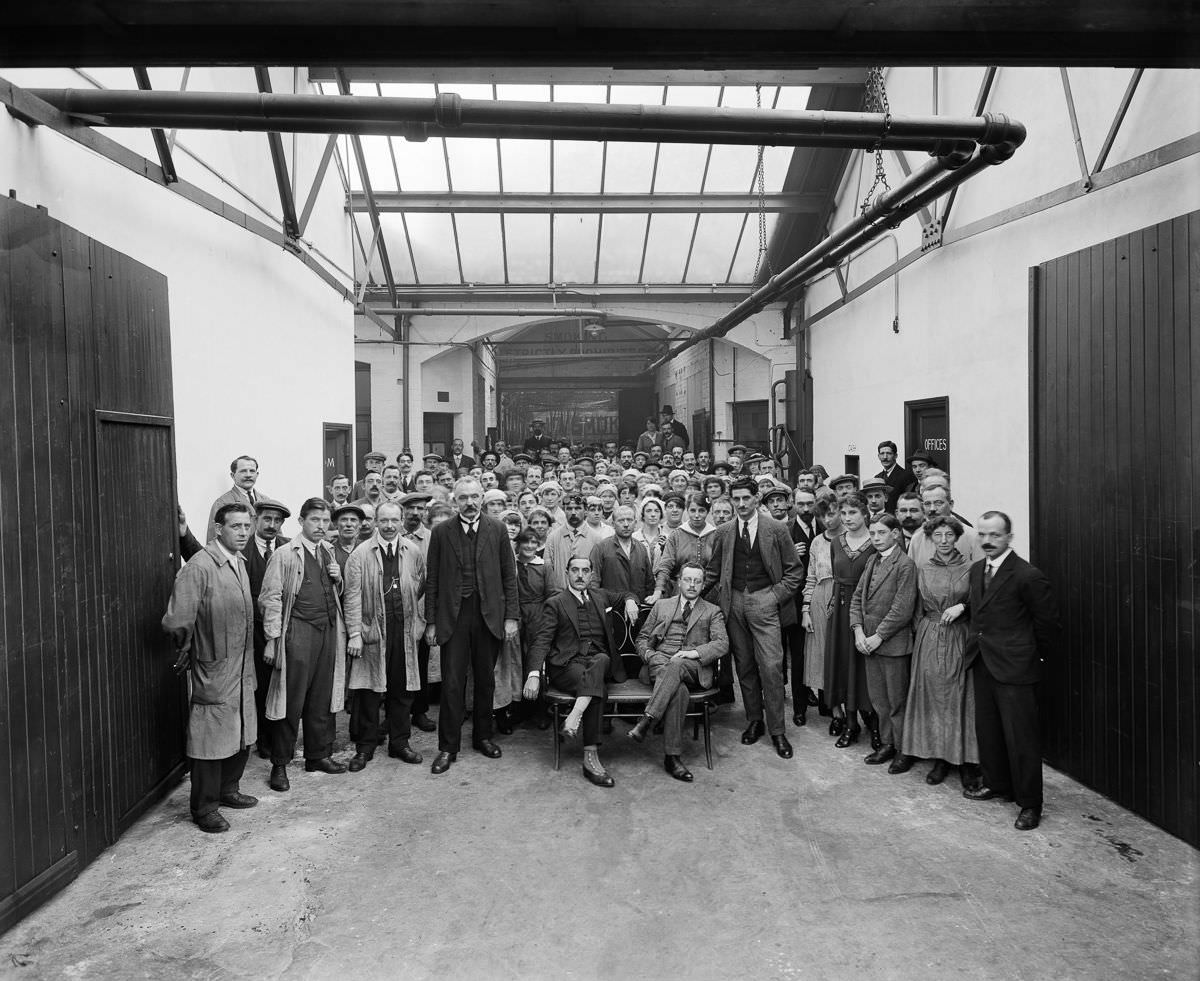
(937, 773)
(488, 749)
(601, 779)
(406, 753)
(441, 762)
(782, 746)
(848, 737)
(754, 732)
(881, 755)
(424, 722)
(238, 800)
(212, 822)
(674, 766)
(837, 725)
(985, 793)
(360, 760)
(902, 763)
(326, 765)
(638, 732)
(279, 779)
(971, 775)
(1028, 819)
(799, 719)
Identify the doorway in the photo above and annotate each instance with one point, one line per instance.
(337, 459)
(927, 429)
(362, 417)
(439, 432)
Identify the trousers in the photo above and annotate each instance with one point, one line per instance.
(672, 677)
(584, 675)
(398, 699)
(753, 625)
(471, 643)
(887, 683)
(214, 779)
(310, 654)
(1010, 745)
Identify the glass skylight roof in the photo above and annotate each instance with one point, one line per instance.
(507, 248)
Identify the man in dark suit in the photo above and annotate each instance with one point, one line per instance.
(470, 607)
(895, 476)
(537, 440)
(670, 426)
(754, 560)
(682, 639)
(457, 458)
(1013, 626)
(258, 551)
(803, 529)
(575, 644)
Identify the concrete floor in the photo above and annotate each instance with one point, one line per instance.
(819, 867)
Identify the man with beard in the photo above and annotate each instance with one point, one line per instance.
(911, 516)
(1013, 627)
(471, 606)
(268, 523)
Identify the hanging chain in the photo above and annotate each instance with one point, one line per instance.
(760, 180)
(877, 101)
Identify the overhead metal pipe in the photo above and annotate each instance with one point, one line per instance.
(933, 180)
(450, 115)
(572, 312)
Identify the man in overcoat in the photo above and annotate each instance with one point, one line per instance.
(211, 619)
(306, 644)
(385, 579)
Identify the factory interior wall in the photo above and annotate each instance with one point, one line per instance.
(963, 309)
(262, 349)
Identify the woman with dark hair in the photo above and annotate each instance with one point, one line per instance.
(845, 680)
(692, 541)
(817, 605)
(713, 488)
(650, 532)
(650, 438)
(939, 723)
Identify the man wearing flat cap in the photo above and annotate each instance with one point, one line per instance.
(347, 524)
(537, 440)
(572, 539)
(844, 485)
(373, 463)
(268, 523)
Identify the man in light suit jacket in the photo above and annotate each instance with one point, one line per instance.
(470, 607)
(803, 528)
(755, 563)
(258, 551)
(1013, 628)
(881, 614)
(681, 640)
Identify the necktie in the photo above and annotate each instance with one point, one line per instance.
(746, 534)
(687, 611)
(270, 547)
(988, 572)
(471, 531)
(391, 554)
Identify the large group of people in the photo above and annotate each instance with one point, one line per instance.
(573, 568)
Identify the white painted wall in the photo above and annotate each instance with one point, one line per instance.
(262, 349)
(964, 309)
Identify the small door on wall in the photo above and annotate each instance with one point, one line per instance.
(337, 455)
(927, 429)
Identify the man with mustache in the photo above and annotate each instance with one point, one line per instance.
(1013, 628)
(470, 607)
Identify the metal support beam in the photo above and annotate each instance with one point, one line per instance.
(291, 225)
(1118, 119)
(905, 169)
(365, 179)
(611, 293)
(318, 180)
(161, 144)
(464, 202)
(570, 312)
(450, 115)
(1083, 167)
(981, 98)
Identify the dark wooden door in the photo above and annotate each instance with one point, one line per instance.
(336, 457)
(134, 462)
(90, 713)
(362, 418)
(439, 432)
(1115, 417)
(927, 428)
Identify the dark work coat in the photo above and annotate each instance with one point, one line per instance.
(496, 575)
(211, 614)
(612, 570)
(898, 482)
(1014, 625)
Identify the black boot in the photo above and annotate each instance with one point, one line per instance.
(871, 721)
(502, 722)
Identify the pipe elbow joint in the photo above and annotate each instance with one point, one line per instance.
(1001, 129)
(952, 154)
